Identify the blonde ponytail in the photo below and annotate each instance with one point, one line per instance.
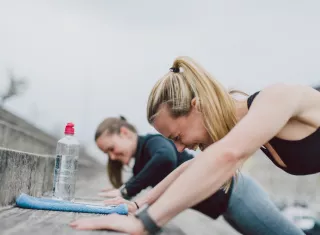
(189, 80)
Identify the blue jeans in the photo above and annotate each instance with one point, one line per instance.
(251, 212)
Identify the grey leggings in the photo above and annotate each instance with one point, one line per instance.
(251, 212)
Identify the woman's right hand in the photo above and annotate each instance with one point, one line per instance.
(106, 189)
(132, 207)
(110, 193)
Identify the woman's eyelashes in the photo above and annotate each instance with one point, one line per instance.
(108, 150)
(177, 138)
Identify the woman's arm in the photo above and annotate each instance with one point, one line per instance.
(159, 160)
(269, 113)
(157, 191)
(162, 162)
(154, 193)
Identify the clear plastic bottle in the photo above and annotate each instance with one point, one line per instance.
(66, 165)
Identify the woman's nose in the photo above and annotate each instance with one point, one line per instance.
(112, 156)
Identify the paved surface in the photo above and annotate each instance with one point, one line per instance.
(15, 220)
(91, 179)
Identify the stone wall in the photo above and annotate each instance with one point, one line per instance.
(23, 172)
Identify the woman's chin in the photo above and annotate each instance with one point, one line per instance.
(127, 162)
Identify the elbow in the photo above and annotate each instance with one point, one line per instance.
(233, 156)
(166, 164)
(232, 151)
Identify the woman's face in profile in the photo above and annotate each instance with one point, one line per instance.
(119, 147)
(186, 132)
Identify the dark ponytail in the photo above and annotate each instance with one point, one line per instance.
(122, 118)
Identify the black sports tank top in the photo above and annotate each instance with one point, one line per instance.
(302, 157)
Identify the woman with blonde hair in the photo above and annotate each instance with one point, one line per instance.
(190, 107)
(155, 157)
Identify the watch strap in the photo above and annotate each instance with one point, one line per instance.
(149, 224)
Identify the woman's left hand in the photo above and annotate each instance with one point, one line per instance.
(110, 193)
(132, 207)
(121, 223)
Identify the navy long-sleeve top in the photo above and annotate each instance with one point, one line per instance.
(155, 158)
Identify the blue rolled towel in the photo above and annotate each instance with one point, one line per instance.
(29, 202)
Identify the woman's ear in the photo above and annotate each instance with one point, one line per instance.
(195, 103)
(124, 131)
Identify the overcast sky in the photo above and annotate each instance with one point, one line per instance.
(86, 60)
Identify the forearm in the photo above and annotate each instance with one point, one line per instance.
(202, 179)
(158, 190)
(160, 164)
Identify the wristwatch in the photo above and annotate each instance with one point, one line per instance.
(148, 223)
(124, 192)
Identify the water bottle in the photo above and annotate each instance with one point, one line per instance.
(66, 165)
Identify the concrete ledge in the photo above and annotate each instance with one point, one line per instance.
(16, 138)
(13, 137)
(14, 120)
(24, 172)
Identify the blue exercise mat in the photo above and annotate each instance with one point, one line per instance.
(29, 202)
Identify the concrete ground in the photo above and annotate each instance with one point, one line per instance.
(32, 174)
(15, 220)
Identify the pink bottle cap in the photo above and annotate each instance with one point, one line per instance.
(69, 128)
